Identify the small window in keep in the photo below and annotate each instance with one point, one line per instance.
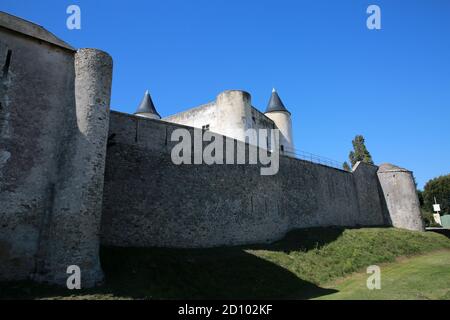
(205, 127)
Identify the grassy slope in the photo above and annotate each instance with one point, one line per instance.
(296, 267)
(423, 277)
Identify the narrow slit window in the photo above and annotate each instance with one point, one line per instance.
(7, 63)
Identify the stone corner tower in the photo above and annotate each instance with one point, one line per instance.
(400, 196)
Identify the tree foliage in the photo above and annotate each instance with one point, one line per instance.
(440, 188)
(360, 152)
(428, 218)
(420, 196)
(346, 167)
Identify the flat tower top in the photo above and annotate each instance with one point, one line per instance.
(387, 167)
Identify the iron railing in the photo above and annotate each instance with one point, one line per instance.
(307, 156)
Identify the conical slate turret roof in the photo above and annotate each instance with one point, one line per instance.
(275, 103)
(147, 105)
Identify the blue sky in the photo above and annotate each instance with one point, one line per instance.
(337, 77)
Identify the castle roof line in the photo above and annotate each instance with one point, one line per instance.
(31, 29)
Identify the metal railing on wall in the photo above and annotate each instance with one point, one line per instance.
(311, 157)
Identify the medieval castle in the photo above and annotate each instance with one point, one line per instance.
(75, 175)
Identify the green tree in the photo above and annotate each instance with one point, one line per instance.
(427, 214)
(360, 152)
(420, 196)
(346, 167)
(440, 188)
(428, 218)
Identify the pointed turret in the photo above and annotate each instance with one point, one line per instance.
(275, 103)
(147, 108)
(277, 112)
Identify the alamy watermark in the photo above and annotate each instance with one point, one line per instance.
(74, 280)
(374, 281)
(73, 21)
(262, 147)
(374, 20)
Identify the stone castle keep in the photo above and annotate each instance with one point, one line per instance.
(75, 175)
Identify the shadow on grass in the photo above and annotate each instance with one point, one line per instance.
(303, 240)
(444, 232)
(222, 273)
(218, 273)
(287, 269)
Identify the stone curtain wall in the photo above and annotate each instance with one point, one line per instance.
(149, 201)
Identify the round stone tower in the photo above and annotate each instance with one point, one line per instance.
(147, 109)
(400, 197)
(234, 110)
(277, 112)
(70, 236)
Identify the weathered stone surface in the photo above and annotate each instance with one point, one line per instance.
(37, 116)
(149, 201)
(372, 208)
(400, 195)
(73, 237)
(54, 117)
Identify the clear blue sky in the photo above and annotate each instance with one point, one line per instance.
(337, 77)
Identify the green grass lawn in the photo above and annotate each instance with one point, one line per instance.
(300, 266)
(418, 278)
